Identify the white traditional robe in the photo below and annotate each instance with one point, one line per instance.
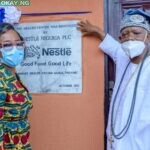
(138, 134)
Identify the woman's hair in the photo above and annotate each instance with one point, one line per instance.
(4, 27)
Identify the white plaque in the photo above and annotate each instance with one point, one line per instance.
(53, 57)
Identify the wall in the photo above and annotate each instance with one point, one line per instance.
(71, 121)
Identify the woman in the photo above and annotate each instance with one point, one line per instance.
(15, 100)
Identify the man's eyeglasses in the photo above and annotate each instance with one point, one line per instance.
(9, 46)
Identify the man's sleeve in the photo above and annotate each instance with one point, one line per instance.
(111, 47)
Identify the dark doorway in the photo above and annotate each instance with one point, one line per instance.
(113, 10)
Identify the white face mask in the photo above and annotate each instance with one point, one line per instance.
(133, 48)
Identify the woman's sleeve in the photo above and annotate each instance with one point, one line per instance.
(2, 103)
(111, 47)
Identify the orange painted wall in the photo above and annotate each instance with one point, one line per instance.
(71, 121)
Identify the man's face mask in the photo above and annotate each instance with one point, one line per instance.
(134, 48)
(12, 55)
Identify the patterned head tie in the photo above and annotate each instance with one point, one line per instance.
(137, 18)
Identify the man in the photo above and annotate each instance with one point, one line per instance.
(129, 116)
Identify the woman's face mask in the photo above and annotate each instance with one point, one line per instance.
(11, 48)
(12, 57)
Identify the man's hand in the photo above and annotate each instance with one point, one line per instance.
(88, 29)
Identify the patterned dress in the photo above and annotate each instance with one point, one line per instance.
(15, 104)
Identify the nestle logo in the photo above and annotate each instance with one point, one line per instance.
(14, 2)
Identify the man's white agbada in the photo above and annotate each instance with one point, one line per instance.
(137, 137)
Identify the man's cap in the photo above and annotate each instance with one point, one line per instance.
(137, 18)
